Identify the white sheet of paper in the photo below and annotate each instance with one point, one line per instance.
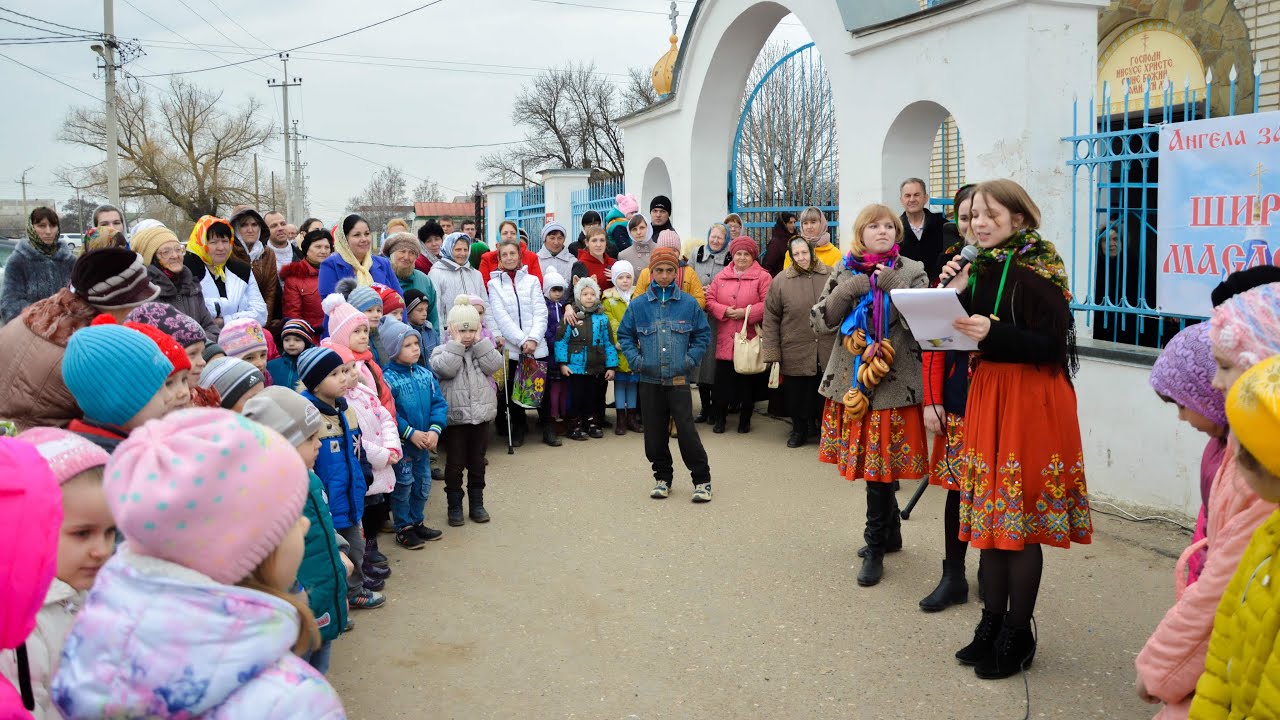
(930, 313)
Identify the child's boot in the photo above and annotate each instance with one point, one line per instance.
(620, 427)
(633, 421)
(478, 513)
(371, 554)
(549, 434)
(575, 431)
(595, 426)
(455, 507)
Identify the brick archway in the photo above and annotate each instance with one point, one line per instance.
(1215, 27)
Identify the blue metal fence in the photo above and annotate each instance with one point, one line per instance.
(598, 196)
(1115, 178)
(528, 208)
(785, 151)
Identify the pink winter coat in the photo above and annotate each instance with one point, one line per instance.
(380, 437)
(1173, 658)
(730, 290)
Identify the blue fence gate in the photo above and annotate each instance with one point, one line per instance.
(598, 196)
(1115, 180)
(785, 152)
(528, 208)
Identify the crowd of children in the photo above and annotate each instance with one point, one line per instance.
(232, 494)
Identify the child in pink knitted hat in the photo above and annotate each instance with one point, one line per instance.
(195, 615)
(349, 327)
(85, 542)
(245, 339)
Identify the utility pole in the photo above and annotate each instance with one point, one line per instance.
(107, 51)
(26, 212)
(284, 86)
(296, 211)
(257, 196)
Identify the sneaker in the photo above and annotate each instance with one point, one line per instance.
(426, 533)
(408, 539)
(661, 490)
(366, 600)
(702, 493)
(351, 625)
(373, 584)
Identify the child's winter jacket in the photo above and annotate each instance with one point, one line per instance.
(338, 463)
(465, 375)
(1243, 662)
(587, 348)
(615, 306)
(159, 640)
(429, 338)
(1174, 656)
(322, 574)
(378, 437)
(555, 315)
(284, 371)
(420, 403)
(44, 645)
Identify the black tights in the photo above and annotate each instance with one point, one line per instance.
(1011, 581)
(955, 547)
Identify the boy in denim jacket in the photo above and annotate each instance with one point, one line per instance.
(664, 335)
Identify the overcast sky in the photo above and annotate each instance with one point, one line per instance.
(444, 75)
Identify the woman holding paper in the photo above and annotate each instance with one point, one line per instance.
(872, 425)
(1024, 484)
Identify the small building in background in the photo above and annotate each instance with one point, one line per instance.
(459, 211)
(13, 219)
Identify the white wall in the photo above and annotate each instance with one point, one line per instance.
(1135, 447)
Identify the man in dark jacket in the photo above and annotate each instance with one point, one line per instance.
(922, 238)
(676, 337)
(251, 247)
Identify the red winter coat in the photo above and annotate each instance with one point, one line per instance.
(729, 290)
(302, 293)
(591, 266)
(489, 263)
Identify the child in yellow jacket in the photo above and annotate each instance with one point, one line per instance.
(1243, 663)
(616, 300)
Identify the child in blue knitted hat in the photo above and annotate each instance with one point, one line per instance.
(137, 392)
(296, 336)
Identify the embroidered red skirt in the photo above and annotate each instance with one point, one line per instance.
(881, 446)
(947, 459)
(1024, 481)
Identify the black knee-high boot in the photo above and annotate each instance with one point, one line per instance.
(704, 403)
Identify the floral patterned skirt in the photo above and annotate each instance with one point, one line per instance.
(947, 459)
(1024, 476)
(881, 446)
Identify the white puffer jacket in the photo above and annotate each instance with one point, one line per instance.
(243, 298)
(519, 309)
(44, 646)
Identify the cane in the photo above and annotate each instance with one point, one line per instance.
(915, 498)
(506, 401)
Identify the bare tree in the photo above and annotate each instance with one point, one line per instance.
(568, 117)
(384, 198)
(638, 93)
(427, 191)
(186, 147)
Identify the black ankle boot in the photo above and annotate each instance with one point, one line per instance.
(549, 435)
(744, 423)
(455, 508)
(719, 426)
(984, 639)
(953, 589)
(872, 567)
(1015, 648)
(478, 513)
(796, 439)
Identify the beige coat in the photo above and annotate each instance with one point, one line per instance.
(31, 348)
(904, 385)
(789, 338)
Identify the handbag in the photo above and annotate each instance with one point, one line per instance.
(747, 352)
(530, 382)
(775, 375)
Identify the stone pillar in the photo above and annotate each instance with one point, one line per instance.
(559, 186)
(495, 210)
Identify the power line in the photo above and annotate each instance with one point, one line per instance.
(416, 147)
(306, 45)
(233, 22)
(387, 167)
(189, 42)
(48, 22)
(41, 72)
(216, 29)
(53, 33)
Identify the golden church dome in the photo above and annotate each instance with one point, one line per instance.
(664, 69)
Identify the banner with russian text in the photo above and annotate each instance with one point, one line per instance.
(1219, 198)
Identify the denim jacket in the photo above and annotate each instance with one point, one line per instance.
(664, 335)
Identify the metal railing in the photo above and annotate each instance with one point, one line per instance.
(600, 197)
(1115, 183)
(528, 208)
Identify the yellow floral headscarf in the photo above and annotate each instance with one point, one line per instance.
(343, 248)
(198, 243)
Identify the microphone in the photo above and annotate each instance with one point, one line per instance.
(967, 255)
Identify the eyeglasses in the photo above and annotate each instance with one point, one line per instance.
(168, 253)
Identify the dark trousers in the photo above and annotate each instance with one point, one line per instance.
(804, 404)
(586, 396)
(464, 447)
(882, 514)
(732, 388)
(376, 512)
(663, 403)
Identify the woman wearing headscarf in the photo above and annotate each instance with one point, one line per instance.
(40, 266)
(736, 296)
(164, 257)
(230, 291)
(790, 339)
(452, 275)
(353, 256)
(707, 262)
(813, 227)
(784, 229)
